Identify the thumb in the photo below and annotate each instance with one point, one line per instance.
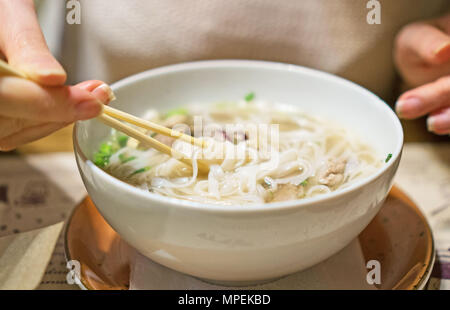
(24, 46)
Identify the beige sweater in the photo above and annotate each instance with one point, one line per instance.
(117, 38)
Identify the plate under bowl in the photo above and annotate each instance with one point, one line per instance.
(399, 237)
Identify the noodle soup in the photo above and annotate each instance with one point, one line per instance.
(258, 152)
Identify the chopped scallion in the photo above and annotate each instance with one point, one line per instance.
(107, 149)
(124, 159)
(122, 140)
(101, 158)
(141, 170)
(249, 97)
(389, 156)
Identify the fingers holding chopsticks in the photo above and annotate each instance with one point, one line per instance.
(20, 98)
(29, 111)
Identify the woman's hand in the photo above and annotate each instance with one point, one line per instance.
(30, 110)
(422, 55)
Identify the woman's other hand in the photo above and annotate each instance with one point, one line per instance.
(30, 110)
(422, 56)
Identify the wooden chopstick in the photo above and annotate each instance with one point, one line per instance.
(151, 126)
(107, 118)
(150, 142)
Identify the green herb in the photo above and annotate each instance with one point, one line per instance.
(106, 148)
(117, 141)
(388, 157)
(122, 140)
(141, 170)
(101, 158)
(124, 159)
(153, 134)
(304, 183)
(249, 97)
(176, 111)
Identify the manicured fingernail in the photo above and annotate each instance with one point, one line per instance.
(88, 109)
(406, 106)
(104, 93)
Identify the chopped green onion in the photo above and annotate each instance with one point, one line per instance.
(141, 170)
(106, 149)
(153, 134)
(249, 97)
(122, 140)
(101, 158)
(304, 183)
(176, 111)
(124, 159)
(389, 156)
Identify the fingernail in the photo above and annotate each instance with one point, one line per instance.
(406, 106)
(88, 109)
(42, 67)
(49, 72)
(104, 93)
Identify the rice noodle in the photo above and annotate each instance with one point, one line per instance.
(307, 150)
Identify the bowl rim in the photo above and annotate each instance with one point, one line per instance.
(250, 207)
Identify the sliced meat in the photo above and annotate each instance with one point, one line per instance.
(334, 174)
(287, 192)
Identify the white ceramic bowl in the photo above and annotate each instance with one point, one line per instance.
(235, 243)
